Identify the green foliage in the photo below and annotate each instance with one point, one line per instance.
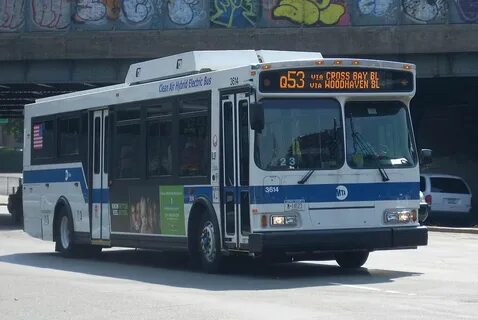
(14, 127)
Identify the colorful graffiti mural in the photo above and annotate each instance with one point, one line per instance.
(378, 8)
(309, 12)
(11, 15)
(187, 13)
(139, 11)
(116, 14)
(425, 11)
(376, 12)
(50, 14)
(96, 11)
(234, 13)
(468, 9)
(90, 15)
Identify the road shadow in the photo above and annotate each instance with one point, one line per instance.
(453, 222)
(174, 270)
(6, 222)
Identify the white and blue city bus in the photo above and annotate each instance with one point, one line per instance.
(263, 153)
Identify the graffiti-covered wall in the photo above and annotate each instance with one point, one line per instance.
(90, 15)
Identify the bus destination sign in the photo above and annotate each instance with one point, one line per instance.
(339, 79)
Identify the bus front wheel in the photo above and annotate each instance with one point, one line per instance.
(209, 245)
(351, 260)
(64, 234)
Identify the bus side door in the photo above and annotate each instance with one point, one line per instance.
(235, 170)
(99, 197)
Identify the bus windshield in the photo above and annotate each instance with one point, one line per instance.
(378, 135)
(300, 134)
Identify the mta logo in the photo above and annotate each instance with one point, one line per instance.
(341, 192)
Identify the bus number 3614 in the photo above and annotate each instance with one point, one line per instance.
(271, 189)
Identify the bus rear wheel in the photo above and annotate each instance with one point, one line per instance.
(208, 245)
(64, 242)
(351, 260)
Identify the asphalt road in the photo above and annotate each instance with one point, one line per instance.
(439, 281)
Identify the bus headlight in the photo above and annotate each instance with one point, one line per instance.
(283, 220)
(399, 216)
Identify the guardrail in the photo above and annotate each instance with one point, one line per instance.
(9, 184)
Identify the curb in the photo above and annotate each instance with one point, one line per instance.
(453, 230)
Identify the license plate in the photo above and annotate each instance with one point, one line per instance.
(452, 201)
(294, 205)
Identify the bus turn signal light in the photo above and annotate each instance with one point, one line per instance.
(264, 221)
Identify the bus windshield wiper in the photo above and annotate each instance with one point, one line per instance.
(306, 177)
(382, 171)
(367, 149)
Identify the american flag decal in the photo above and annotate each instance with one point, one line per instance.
(38, 136)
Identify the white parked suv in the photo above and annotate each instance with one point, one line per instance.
(447, 195)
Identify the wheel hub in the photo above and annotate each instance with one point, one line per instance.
(208, 243)
(64, 232)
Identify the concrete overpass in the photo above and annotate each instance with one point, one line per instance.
(35, 64)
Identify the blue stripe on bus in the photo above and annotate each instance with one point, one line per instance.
(258, 195)
(191, 193)
(100, 196)
(58, 175)
(328, 192)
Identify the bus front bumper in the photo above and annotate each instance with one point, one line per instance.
(369, 239)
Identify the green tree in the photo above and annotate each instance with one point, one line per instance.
(14, 127)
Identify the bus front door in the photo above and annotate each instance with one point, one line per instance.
(235, 170)
(99, 202)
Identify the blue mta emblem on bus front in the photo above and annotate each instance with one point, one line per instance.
(341, 193)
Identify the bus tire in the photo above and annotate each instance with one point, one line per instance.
(64, 234)
(209, 247)
(351, 260)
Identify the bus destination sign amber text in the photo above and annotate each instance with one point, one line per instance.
(330, 80)
(343, 79)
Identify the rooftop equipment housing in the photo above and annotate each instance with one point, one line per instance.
(202, 61)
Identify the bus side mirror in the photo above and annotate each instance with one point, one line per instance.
(256, 111)
(425, 156)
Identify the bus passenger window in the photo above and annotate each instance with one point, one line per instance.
(192, 145)
(159, 149)
(69, 135)
(127, 151)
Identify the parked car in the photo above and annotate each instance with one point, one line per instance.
(424, 209)
(15, 206)
(447, 196)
